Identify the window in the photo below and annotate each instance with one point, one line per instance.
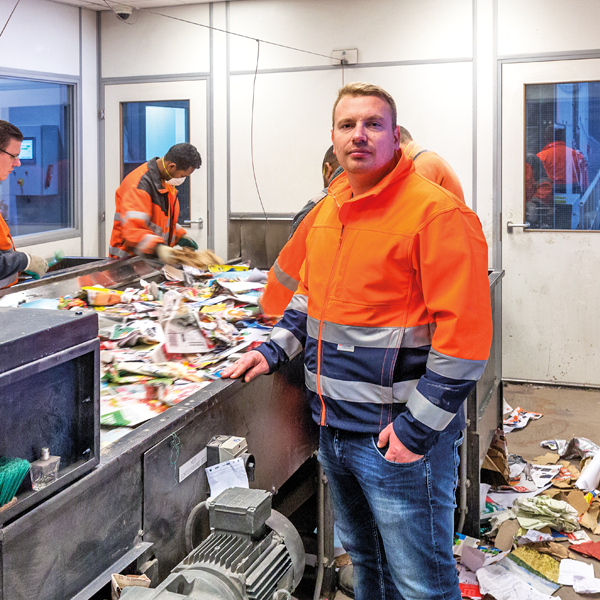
(562, 156)
(149, 130)
(38, 195)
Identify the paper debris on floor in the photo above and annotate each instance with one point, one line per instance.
(542, 564)
(498, 581)
(591, 549)
(571, 568)
(590, 478)
(519, 418)
(467, 582)
(586, 585)
(577, 447)
(541, 511)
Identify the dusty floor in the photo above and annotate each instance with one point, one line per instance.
(567, 413)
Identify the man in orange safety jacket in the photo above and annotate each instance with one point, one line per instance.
(147, 207)
(13, 262)
(284, 275)
(393, 313)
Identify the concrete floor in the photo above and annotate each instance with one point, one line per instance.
(568, 413)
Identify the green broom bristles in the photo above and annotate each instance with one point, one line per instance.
(12, 473)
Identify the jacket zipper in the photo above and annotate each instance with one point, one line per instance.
(319, 341)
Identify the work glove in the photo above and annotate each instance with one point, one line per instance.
(165, 254)
(187, 241)
(37, 266)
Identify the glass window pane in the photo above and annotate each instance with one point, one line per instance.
(562, 156)
(37, 196)
(149, 130)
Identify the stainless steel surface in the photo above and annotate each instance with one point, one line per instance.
(510, 225)
(108, 273)
(257, 240)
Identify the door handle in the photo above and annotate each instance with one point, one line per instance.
(510, 225)
(199, 221)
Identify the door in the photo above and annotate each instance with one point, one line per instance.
(551, 290)
(157, 99)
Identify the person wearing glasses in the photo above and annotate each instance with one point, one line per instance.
(12, 262)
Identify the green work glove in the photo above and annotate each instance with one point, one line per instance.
(37, 266)
(187, 241)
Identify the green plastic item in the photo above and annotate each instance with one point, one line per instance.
(12, 473)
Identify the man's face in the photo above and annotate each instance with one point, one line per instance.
(364, 139)
(7, 162)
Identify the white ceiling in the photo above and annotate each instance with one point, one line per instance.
(102, 4)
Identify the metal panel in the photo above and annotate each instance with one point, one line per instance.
(270, 412)
(53, 554)
(258, 241)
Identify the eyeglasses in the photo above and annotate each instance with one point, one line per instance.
(13, 156)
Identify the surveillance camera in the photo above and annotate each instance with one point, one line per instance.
(123, 12)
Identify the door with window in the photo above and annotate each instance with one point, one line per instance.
(142, 122)
(551, 221)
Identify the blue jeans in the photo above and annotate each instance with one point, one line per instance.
(396, 521)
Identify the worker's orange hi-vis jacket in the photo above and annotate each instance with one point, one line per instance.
(11, 261)
(433, 167)
(392, 310)
(146, 214)
(283, 277)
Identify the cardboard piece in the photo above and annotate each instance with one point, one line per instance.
(555, 550)
(495, 469)
(120, 582)
(506, 534)
(577, 500)
(547, 459)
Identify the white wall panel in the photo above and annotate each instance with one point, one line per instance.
(155, 45)
(537, 26)
(292, 127)
(292, 122)
(382, 30)
(89, 146)
(41, 36)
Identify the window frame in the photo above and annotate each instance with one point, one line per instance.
(75, 149)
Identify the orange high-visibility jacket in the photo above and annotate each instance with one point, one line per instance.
(433, 167)
(146, 214)
(11, 261)
(565, 165)
(393, 309)
(283, 277)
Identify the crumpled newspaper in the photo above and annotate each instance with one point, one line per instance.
(541, 511)
(577, 447)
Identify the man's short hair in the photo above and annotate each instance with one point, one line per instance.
(365, 89)
(9, 132)
(331, 158)
(184, 156)
(405, 136)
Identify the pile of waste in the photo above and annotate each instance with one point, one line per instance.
(529, 511)
(162, 342)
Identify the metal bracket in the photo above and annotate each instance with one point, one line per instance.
(510, 225)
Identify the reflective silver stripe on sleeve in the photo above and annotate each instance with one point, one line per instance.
(136, 214)
(287, 341)
(455, 368)
(429, 414)
(145, 244)
(287, 281)
(299, 303)
(118, 252)
(155, 229)
(117, 218)
(360, 391)
(8, 280)
(350, 335)
(421, 335)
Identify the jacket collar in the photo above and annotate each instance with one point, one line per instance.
(341, 191)
(155, 176)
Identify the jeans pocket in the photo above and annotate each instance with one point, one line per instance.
(381, 452)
